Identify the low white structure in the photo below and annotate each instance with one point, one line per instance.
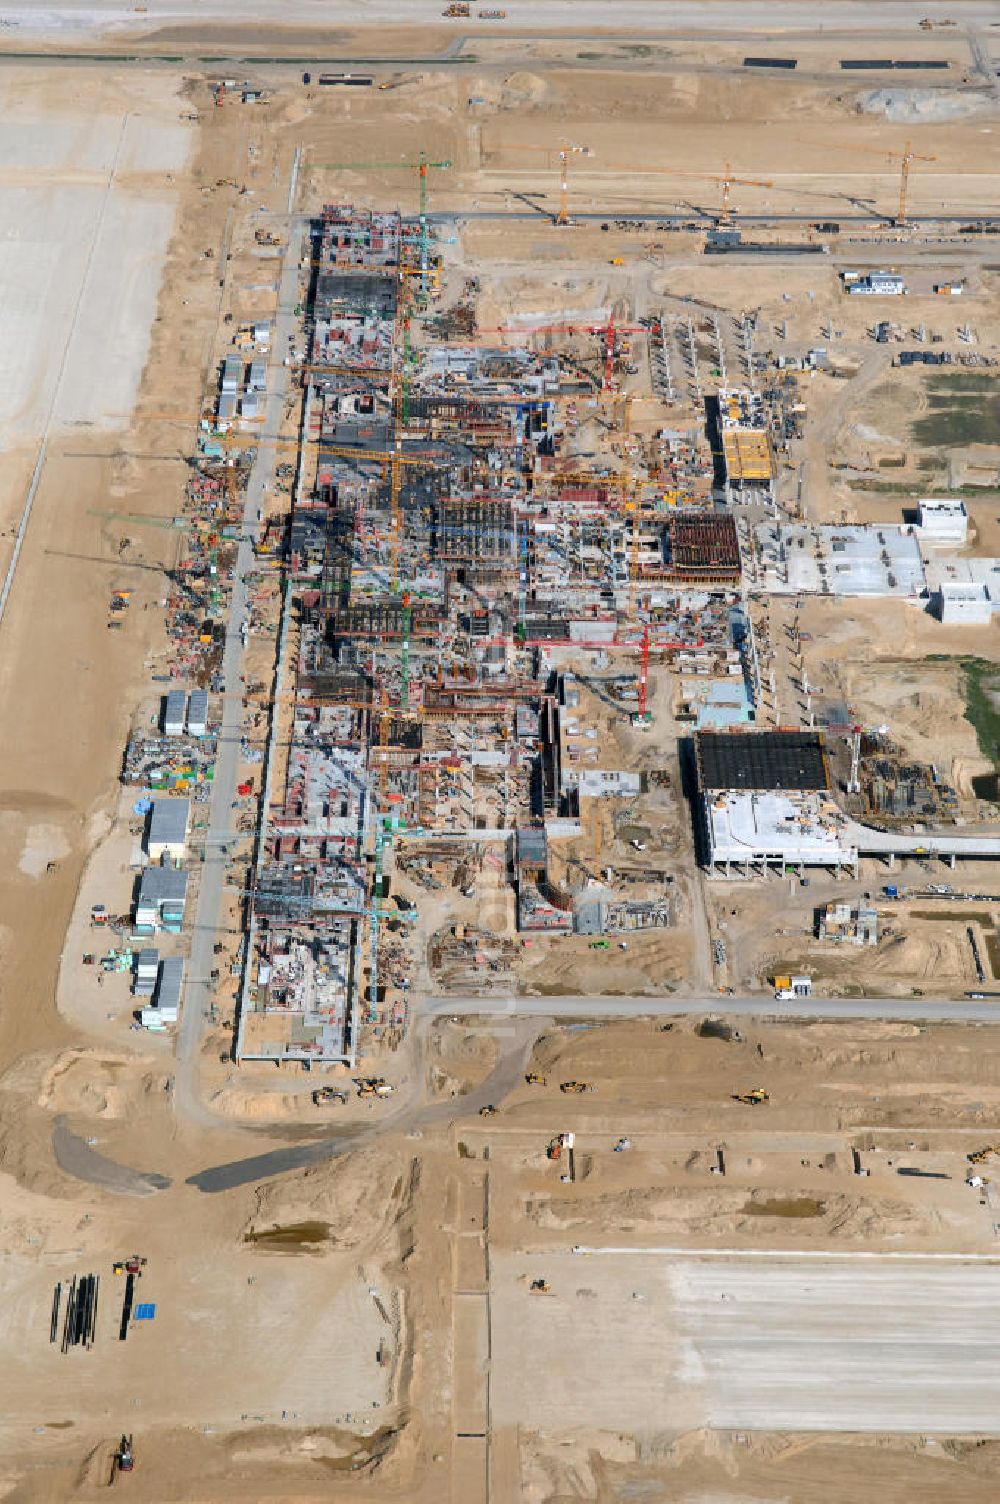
(608, 783)
(168, 829)
(750, 831)
(166, 1005)
(147, 967)
(174, 708)
(958, 605)
(943, 520)
(864, 559)
(876, 284)
(197, 713)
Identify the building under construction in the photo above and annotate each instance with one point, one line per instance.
(747, 454)
(447, 560)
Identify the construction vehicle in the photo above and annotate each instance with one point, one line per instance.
(489, 1111)
(492, 15)
(372, 1086)
(534, 1079)
(618, 261)
(123, 1459)
(458, 9)
(600, 945)
(755, 1098)
(539, 1286)
(326, 1094)
(558, 1144)
(575, 1088)
(979, 1156)
(134, 1264)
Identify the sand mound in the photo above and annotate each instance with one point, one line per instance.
(521, 89)
(916, 106)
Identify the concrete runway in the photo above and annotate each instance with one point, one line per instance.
(649, 1342)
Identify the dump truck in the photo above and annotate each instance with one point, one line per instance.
(575, 1088)
(534, 1079)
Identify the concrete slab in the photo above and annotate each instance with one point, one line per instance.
(653, 1342)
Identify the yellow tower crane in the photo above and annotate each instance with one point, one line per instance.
(565, 151)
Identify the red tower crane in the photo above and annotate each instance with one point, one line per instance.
(644, 674)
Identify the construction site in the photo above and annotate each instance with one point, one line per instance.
(502, 908)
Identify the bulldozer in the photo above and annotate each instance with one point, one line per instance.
(539, 1287)
(575, 1088)
(755, 1098)
(489, 1111)
(328, 1094)
(372, 1086)
(534, 1079)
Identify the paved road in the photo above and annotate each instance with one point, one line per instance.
(198, 990)
(906, 1010)
(65, 21)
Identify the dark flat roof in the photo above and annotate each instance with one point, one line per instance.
(792, 760)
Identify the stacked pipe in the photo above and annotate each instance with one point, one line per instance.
(80, 1321)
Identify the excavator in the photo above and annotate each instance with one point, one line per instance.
(980, 1156)
(123, 1460)
(534, 1079)
(755, 1098)
(328, 1094)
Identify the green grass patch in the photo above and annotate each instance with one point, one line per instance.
(982, 699)
(964, 408)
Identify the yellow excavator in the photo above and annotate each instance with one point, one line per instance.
(755, 1098)
(979, 1156)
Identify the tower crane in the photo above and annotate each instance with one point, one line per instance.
(395, 459)
(423, 165)
(904, 158)
(565, 152)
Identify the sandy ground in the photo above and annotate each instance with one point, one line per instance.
(260, 1376)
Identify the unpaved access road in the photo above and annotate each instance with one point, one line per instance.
(655, 1342)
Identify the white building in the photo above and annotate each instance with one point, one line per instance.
(877, 284)
(166, 1005)
(197, 713)
(174, 707)
(147, 967)
(866, 559)
(750, 831)
(958, 604)
(168, 828)
(943, 520)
